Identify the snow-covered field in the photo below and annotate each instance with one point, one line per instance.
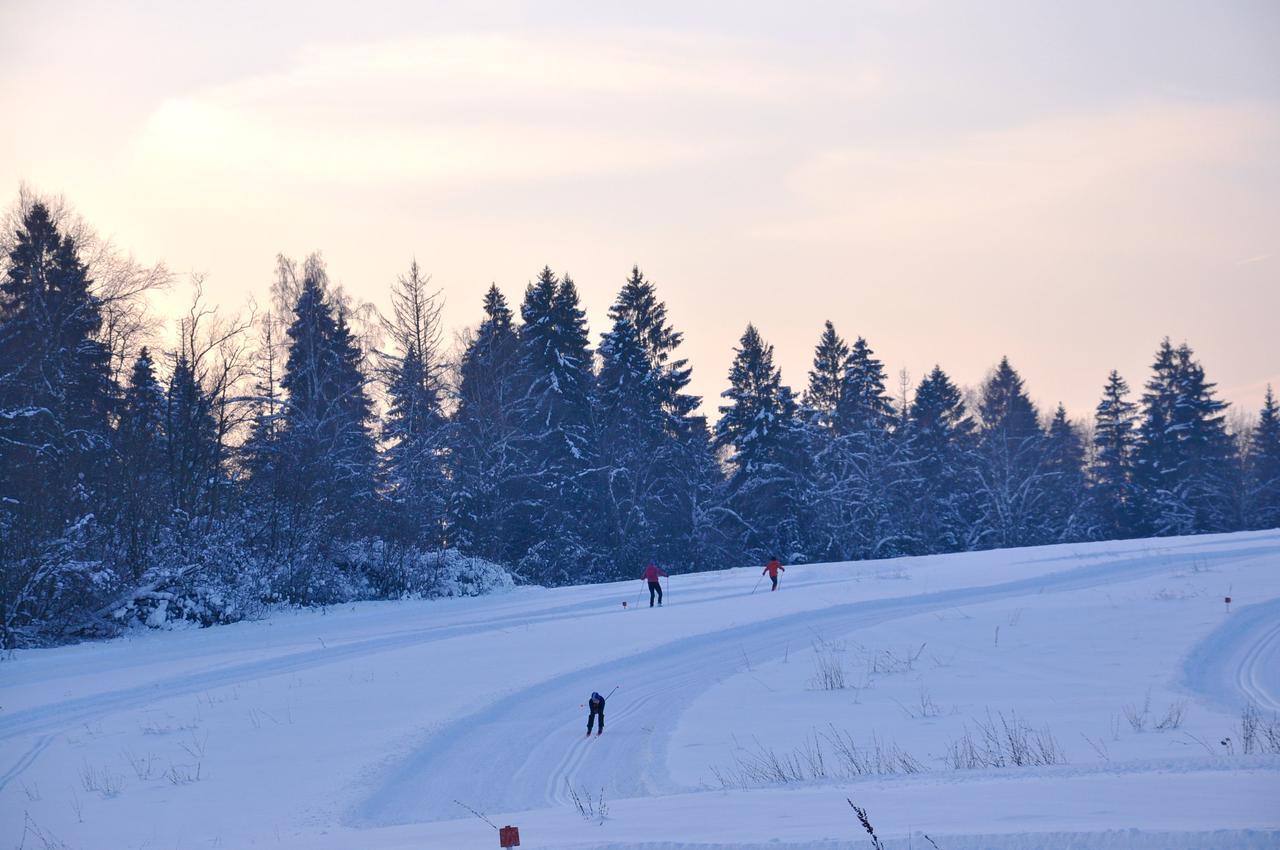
(360, 727)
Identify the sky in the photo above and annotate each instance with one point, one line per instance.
(1062, 183)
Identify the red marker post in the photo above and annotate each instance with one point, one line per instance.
(1227, 599)
(509, 836)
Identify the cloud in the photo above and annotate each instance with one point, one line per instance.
(1065, 168)
(485, 108)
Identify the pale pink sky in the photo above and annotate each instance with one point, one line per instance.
(1065, 183)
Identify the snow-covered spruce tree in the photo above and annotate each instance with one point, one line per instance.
(865, 420)
(852, 477)
(1010, 463)
(557, 523)
(191, 441)
(638, 303)
(415, 430)
(415, 457)
(1155, 458)
(1263, 503)
(864, 407)
(142, 459)
(324, 449)
(827, 513)
(1065, 501)
(1112, 497)
(647, 436)
(826, 378)
(56, 394)
(1184, 453)
(485, 453)
(633, 448)
(760, 430)
(940, 478)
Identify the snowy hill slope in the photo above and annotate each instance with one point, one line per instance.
(1070, 696)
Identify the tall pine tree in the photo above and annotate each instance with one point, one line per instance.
(826, 378)
(1184, 453)
(415, 431)
(141, 454)
(326, 447)
(1113, 499)
(556, 441)
(56, 395)
(854, 478)
(649, 441)
(1264, 467)
(1010, 467)
(487, 472)
(760, 431)
(940, 461)
(1065, 514)
(192, 441)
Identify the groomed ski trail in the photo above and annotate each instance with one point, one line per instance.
(524, 751)
(1239, 662)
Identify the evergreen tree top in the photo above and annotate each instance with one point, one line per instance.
(638, 302)
(1005, 406)
(1269, 416)
(864, 405)
(45, 274)
(538, 299)
(1264, 442)
(754, 390)
(938, 406)
(144, 397)
(826, 378)
(1060, 420)
(1113, 397)
(496, 310)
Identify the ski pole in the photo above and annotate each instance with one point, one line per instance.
(753, 590)
(615, 687)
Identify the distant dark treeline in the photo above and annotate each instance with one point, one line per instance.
(250, 465)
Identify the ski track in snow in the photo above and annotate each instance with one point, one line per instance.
(70, 712)
(526, 750)
(1240, 660)
(544, 755)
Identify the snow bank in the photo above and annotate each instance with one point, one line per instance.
(359, 725)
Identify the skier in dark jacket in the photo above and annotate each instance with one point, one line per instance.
(596, 704)
(651, 574)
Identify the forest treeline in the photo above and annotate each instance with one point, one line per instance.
(317, 453)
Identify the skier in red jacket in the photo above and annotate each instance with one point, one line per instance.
(772, 569)
(651, 574)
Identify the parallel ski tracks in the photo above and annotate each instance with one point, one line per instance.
(524, 751)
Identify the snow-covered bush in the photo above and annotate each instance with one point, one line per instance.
(460, 575)
(221, 580)
(393, 572)
(51, 594)
(552, 563)
(199, 575)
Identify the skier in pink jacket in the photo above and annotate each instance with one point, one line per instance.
(651, 574)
